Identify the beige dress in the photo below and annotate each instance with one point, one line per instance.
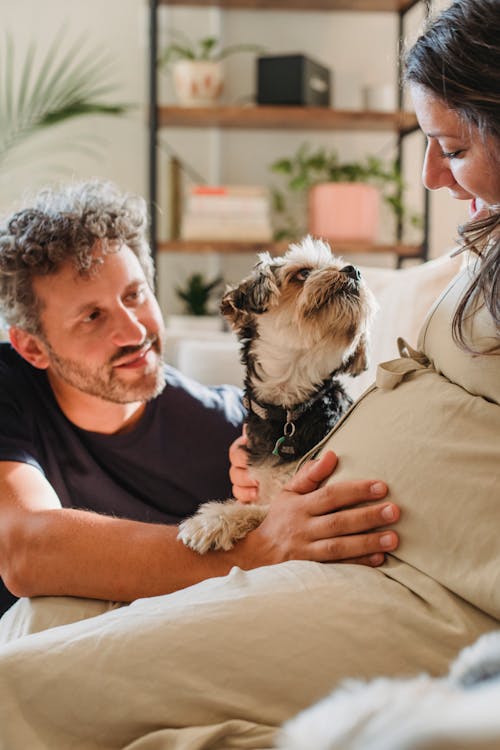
(222, 664)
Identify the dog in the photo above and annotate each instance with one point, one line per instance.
(302, 319)
(458, 711)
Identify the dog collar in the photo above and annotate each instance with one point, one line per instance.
(291, 416)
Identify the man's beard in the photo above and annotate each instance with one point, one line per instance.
(104, 382)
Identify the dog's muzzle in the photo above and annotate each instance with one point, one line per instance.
(352, 272)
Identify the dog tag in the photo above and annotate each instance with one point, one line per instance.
(277, 446)
(286, 451)
(288, 432)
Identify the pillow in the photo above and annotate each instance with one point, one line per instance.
(404, 297)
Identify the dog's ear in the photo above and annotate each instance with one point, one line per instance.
(255, 295)
(358, 361)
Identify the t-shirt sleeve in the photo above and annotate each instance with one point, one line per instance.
(16, 427)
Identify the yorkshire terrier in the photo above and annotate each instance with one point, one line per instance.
(302, 320)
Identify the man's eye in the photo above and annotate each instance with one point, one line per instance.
(93, 316)
(302, 274)
(137, 295)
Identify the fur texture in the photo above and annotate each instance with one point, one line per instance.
(457, 712)
(302, 319)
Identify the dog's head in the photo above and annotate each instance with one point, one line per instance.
(307, 301)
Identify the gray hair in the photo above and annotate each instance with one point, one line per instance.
(63, 225)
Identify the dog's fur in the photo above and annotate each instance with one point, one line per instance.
(456, 712)
(302, 320)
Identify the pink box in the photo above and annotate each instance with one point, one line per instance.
(347, 211)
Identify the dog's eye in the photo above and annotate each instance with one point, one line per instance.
(302, 274)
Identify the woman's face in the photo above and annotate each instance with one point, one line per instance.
(457, 157)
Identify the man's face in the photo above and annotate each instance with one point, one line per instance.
(103, 334)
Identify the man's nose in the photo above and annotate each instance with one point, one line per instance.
(127, 328)
(436, 172)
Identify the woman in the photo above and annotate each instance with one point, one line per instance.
(224, 663)
(454, 77)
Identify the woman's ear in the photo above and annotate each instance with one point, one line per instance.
(29, 347)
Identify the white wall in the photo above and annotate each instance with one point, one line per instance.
(117, 27)
(360, 49)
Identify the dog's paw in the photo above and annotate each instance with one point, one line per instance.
(219, 525)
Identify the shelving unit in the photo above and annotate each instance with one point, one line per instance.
(252, 117)
(300, 118)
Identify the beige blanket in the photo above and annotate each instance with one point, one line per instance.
(224, 663)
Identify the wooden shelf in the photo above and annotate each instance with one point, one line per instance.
(278, 248)
(306, 5)
(297, 118)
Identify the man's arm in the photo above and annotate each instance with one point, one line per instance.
(49, 550)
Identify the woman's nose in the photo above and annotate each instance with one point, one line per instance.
(436, 172)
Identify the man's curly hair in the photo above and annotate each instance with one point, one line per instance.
(63, 225)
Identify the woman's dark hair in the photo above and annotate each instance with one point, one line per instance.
(457, 58)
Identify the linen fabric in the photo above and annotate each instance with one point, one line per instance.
(430, 427)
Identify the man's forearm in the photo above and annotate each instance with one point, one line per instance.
(60, 551)
(78, 553)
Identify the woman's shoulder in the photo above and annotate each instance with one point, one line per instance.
(479, 374)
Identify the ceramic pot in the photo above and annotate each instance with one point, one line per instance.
(195, 322)
(344, 211)
(198, 83)
(380, 97)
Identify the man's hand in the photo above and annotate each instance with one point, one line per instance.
(309, 522)
(245, 489)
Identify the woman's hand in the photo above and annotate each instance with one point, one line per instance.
(307, 521)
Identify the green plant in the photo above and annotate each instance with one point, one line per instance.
(196, 293)
(308, 167)
(36, 94)
(208, 48)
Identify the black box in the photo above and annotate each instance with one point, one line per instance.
(292, 79)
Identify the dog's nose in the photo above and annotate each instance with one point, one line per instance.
(352, 272)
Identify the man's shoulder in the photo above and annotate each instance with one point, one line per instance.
(11, 363)
(184, 391)
(17, 377)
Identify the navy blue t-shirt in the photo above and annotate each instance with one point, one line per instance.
(175, 458)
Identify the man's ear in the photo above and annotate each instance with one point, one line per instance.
(29, 347)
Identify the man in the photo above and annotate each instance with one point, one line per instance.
(103, 448)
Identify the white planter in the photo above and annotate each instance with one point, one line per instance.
(380, 97)
(181, 329)
(198, 83)
(195, 323)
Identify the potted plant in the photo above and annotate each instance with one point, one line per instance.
(67, 83)
(196, 67)
(342, 198)
(197, 293)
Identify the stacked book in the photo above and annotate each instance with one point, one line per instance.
(227, 212)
